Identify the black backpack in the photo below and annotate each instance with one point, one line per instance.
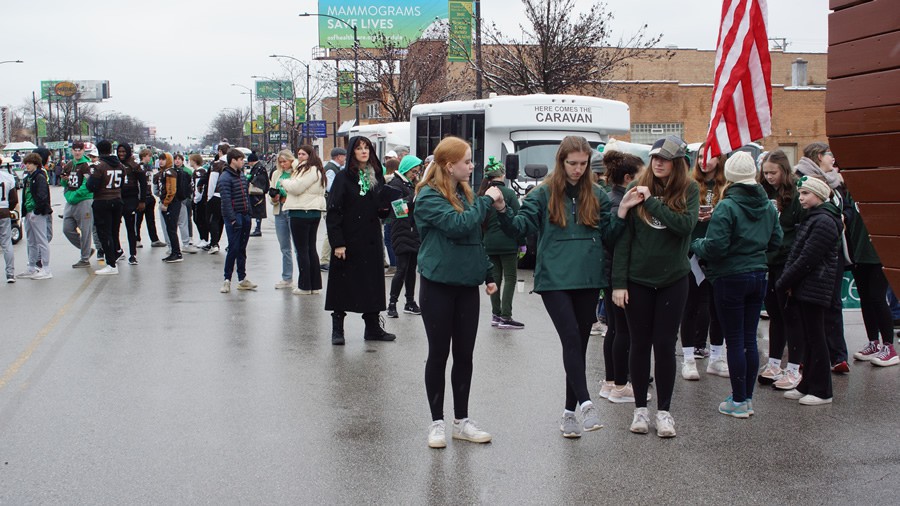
(183, 188)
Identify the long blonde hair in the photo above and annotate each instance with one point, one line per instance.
(718, 178)
(673, 192)
(449, 151)
(588, 205)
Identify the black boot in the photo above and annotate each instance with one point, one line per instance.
(375, 329)
(337, 328)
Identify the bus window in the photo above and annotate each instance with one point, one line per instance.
(539, 152)
(422, 137)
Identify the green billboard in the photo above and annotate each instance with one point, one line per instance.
(274, 90)
(345, 88)
(402, 21)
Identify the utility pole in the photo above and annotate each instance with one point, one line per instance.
(478, 83)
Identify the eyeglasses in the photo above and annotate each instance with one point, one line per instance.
(829, 153)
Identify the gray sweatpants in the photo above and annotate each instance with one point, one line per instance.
(7, 246)
(185, 226)
(78, 226)
(36, 228)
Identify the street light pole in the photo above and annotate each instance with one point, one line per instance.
(11, 61)
(355, 58)
(250, 91)
(306, 116)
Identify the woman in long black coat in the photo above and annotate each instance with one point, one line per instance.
(356, 274)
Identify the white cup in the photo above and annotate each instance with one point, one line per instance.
(520, 286)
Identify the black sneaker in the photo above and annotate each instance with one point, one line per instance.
(412, 308)
(132, 260)
(509, 323)
(392, 310)
(171, 259)
(701, 353)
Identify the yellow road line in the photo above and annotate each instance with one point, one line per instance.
(44, 332)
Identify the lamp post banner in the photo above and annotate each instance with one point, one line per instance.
(403, 21)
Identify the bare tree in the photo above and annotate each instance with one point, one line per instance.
(560, 51)
(228, 124)
(396, 76)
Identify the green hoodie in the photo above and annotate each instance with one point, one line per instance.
(743, 228)
(569, 258)
(789, 219)
(656, 255)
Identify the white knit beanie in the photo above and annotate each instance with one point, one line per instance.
(816, 186)
(739, 168)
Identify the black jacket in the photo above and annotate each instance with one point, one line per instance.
(815, 257)
(233, 187)
(37, 184)
(404, 235)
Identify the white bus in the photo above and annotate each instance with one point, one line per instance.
(384, 136)
(531, 126)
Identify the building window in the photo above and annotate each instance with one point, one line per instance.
(373, 110)
(648, 133)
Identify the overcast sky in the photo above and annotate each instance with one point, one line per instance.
(171, 62)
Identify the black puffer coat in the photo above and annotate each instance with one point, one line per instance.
(404, 235)
(814, 259)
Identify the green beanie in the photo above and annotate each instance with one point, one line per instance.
(408, 163)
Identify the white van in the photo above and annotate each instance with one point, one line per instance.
(384, 136)
(530, 126)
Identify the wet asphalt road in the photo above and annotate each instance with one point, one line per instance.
(151, 387)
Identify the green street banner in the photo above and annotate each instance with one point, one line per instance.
(460, 44)
(274, 90)
(258, 126)
(41, 127)
(56, 144)
(247, 128)
(275, 117)
(403, 21)
(300, 110)
(345, 88)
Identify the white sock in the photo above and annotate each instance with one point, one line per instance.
(585, 405)
(688, 353)
(715, 352)
(794, 368)
(774, 362)
(566, 412)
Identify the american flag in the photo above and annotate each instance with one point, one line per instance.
(742, 94)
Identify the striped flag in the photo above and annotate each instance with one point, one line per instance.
(742, 94)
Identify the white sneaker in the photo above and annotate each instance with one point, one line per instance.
(214, 250)
(793, 395)
(812, 400)
(297, 291)
(436, 435)
(718, 367)
(246, 284)
(467, 431)
(189, 249)
(665, 424)
(689, 370)
(284, 284)
(42, 274)
(107, 271)
(606, 387)
(598, 328)
(788, 380)
(623, 395)
(27, 274)
(202, 244)
(226, 286)
(641, 422)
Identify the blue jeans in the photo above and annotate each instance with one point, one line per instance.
(739, 298)
(283, 232)
(387, 244)
(893, 303)
(238, 236)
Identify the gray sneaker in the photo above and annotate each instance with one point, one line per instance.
(81, 264)
(591, 418)
(569, 426)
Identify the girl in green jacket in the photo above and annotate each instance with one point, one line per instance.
(650, 275)
(452, 263)
(571, 216)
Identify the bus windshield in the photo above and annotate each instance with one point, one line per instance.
(540, 152)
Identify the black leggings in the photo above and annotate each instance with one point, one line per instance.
(201, 220)
(784, 321)
(171, 216)
(834, 323)
(450, 315)
(653, 318)
(872, 286)
(700, 316)
(149, 213)
(405, 276)
(616, 342)
(303, 232)
(573, 312)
